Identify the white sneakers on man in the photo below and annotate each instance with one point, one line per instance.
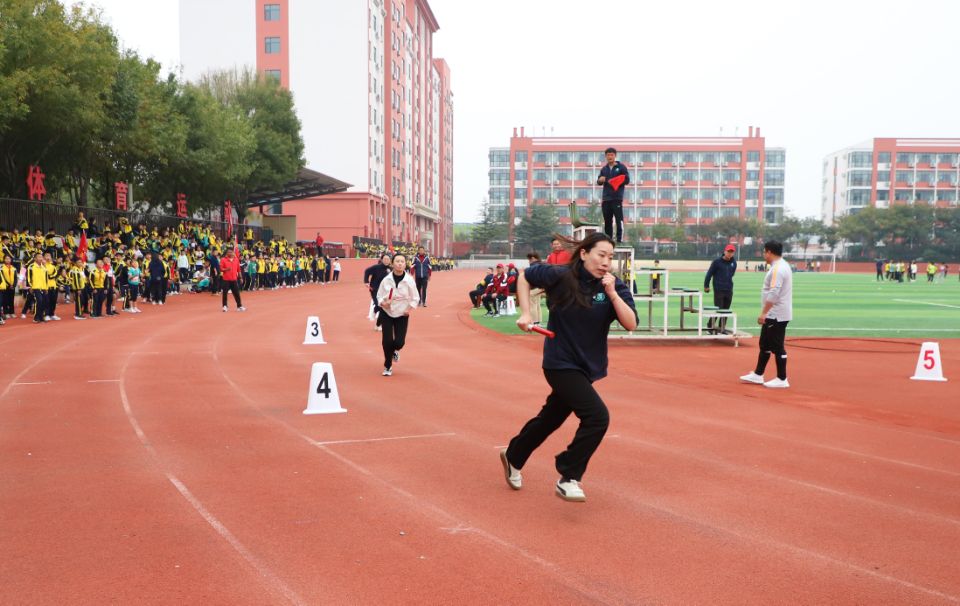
(752, 378)
(777, 384)
(511, 473)
(224, 308)
(570, 490)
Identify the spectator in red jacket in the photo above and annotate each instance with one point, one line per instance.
(496, 292)
(558, 255)
(230, 272)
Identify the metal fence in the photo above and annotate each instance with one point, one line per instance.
(60, 218)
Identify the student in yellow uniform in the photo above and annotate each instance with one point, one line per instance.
(51, 295)
(37, 282)
(261, 271)
(98, 282)
(8, 284)
(78, 282)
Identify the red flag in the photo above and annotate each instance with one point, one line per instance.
(617, 181)
(82, 247)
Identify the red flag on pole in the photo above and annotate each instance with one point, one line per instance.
(617, 181)
(82, 247)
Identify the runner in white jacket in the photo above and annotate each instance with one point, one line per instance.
(397, 297)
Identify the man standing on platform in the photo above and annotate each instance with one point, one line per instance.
(721, 272)
(614, 178)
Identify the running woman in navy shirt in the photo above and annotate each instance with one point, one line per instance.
(584, 298)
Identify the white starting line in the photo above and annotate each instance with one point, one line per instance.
(426, 435)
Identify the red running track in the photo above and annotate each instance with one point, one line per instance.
(163, 458)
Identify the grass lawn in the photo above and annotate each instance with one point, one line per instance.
(831, 305)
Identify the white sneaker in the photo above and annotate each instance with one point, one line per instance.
(241, 308)
(396, 356)
(47, 318)
(224, 308)
(388, 372)
(79, 318)
(511, 473)
(777, 384)
(22, 316)
(379, 328)
(57, 318)
(570, 490)
(752, 378)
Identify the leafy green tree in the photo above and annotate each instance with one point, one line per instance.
(536, 229)
(491, 227)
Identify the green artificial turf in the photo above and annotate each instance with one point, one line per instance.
(830, 305)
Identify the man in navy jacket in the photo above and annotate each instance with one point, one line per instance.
(421, 273)
(721, 271)
(612, 204)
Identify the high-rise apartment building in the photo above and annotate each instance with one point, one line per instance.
(884, 171)
(692, 180)
(375, 104)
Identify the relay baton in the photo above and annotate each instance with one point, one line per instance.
(543, 331)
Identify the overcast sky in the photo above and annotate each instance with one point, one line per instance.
(815, 75)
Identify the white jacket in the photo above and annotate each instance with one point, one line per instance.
(403, 296)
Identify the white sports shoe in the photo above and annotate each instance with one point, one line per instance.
(388, 372)
(55, 318)
(777, 384)
(511, 473)
(570, 490)
(224, 308)
(241, 308)
(752, 378)
(47, 318)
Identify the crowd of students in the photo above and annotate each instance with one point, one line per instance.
(367, 250)
(127, 264)
(898, 271)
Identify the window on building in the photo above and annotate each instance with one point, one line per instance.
(774, 197)
(883, 195)
(776, 158)
(646, 157)
(520, 175)
(271, 45)
(883, 176)
(627, 157)
(731, 194)
(710, 176)
(753, 194)
(274, 74)
(688, 194)
(541, 175)
(860, 178)
(861, 159)
(668, 157)
(905, 176)
(774, 177)
(925, 176)
(667, 175)
(644, 194)
(949, 159)
(520, 156)
(753, 175)
(666, 213)
(271, 12)
(753, 156)
(563, 157)
(520, 194)
(646, 175)
(690, 157)
(731, 157)
(905, 158)
(903, 195)
(668, 195)
(689, 175)
(925, 195)
(731, 176)
(498, 157)
(708, 194)
(708, 158)
(883, 158)
(773, 215)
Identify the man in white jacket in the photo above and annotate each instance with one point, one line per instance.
(397, 297)
(777, 311)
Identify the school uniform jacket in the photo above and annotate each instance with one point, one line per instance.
(403, 296)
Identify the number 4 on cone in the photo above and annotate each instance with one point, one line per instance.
(323, 396)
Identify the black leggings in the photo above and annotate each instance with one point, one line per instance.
(572, 393)
(773, 334)
(156, 291)
(231, 285)
(394, 336)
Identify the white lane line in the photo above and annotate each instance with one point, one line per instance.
(103, 381)
(927, 303)
(253, 561)
(34, 383)
(425, 435)
(777, 545)
(835, 329)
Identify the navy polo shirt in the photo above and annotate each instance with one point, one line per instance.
(581, 333)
